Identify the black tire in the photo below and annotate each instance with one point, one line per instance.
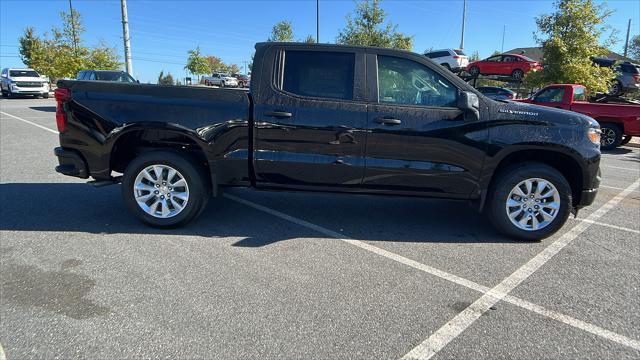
(45, 95)
(626, 139)
(611, 136)
(507, 180)
(474, 71)
(517, 74)
(615, 89)
(221, 84)
(195, 176)
(4, 93)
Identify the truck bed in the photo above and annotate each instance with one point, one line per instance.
(105, 112)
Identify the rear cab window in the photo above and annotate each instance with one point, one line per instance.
(579, 94)
(319, 74)
(552, 95)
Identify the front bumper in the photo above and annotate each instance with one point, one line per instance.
(71, 163)
(29, 90)
(587, 196)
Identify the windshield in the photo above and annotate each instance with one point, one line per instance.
(23, 73)
(114, 76)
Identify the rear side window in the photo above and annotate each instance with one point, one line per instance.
(319, 74)
(628, 68)
(437, 54)
(579, 94)
(460, 52)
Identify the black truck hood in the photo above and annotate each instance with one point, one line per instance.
(530, 112)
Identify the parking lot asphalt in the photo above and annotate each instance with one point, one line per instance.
(298, 275)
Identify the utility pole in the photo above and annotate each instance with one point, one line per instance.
(626, 43)
(125, 34)
(464, 17)
(73, 30)
(317, 21)
(504, 28)
(245, 67)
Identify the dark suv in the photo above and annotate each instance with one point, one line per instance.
(105, 75)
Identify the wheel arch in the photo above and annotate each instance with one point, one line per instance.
(135, 140)
(564, 163)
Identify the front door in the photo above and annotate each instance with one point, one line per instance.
(418, 140)
(310, 125)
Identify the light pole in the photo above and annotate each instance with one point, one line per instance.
(464, 17)
(317, 21)
(125, 35)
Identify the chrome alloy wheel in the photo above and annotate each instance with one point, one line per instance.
(161, 191)
(533, 204)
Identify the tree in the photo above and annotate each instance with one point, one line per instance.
(282, 31)
(215, 64)
(233, 69)
(475, 56)
(309, 39)
(60, 53)
(367, 28)
(103, 58)
(165, 79)
(196, 63)
(570, 38)
(634, 48)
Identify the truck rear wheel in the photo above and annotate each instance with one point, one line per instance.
(530, 201)
(164, 189)
(611, 136)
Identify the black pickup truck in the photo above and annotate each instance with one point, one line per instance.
(331, 118)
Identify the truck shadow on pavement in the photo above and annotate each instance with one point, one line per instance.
(43, 108)
(78, 207)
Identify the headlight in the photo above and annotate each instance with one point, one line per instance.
(594, 135)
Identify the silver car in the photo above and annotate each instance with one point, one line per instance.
(628, 79)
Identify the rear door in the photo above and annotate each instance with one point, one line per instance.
(310, 118)
(418, 141)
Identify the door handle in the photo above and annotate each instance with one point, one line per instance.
(278, 114)
(387, 120)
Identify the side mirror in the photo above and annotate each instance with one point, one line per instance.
(138, 81)
(470, 104)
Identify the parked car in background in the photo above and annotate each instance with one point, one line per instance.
(310, 122)
(627, 76)
(628, 79)
(497, 93)
(616, 120)
(243, 80)
(23, 82)
(221, 80)
(105, 75)
(515, 66)
(452, 59)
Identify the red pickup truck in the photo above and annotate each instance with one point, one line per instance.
(619, 122)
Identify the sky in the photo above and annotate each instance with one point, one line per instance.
(162, 31)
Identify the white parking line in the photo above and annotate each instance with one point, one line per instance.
(452, 329)
(621, 168)
(609, 335)
(609, 226)
(596, 330)
(29, 122)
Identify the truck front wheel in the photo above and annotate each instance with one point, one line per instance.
(164, 189)
(530, 201)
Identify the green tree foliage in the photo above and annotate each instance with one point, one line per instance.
(367, 28)
(61, 53)
(475, 56)
(309, 39)
(282, 31)
(217, 65)
(165, 79)
(570, 38)
(196, 63)
(634, 48)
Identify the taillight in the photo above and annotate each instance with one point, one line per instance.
(636, 78)
(61, 95)
(456, 57)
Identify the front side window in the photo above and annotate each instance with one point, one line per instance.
(319, 74)
(553, 95)
(402, 81)
(495, 58)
